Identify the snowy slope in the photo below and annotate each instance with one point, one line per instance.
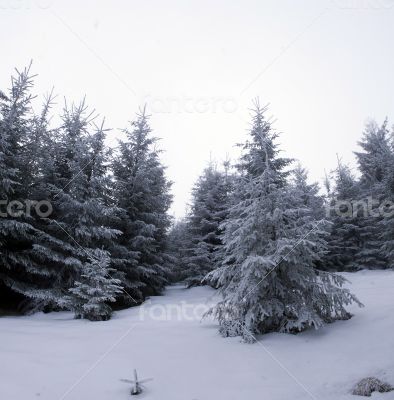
(53, 357)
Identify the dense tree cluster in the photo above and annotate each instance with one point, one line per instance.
(271, 242)
(78, 219)
(362, 208)
(195, 243)
(86, 228)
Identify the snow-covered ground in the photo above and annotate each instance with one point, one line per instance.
(53, 357)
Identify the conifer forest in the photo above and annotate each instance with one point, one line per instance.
(195, 245)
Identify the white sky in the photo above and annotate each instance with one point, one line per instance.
(325, 66)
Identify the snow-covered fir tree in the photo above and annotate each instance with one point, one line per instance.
(272, 242)
(375, 164)
(19, 271)
(374, 161)
(387, 222)
(142, 195)
(179, 245)
(95, 288)
(210, 202)
(308, 192)
(76, 184)
(68, 167)
(360, 208)
(345, 238)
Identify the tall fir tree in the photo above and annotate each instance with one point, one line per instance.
(179, 245)
(19, 272)
(272, 242)
(375, 164)
(210, 202)
(142, 194)
(345, 240)
(308, 193)
(75, 182)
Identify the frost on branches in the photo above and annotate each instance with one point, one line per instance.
(95, 288)
(272, 243)
(208, 210)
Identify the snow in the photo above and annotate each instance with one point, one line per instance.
(53, 357)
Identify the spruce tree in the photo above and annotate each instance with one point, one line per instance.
(376, 182)
(142, 195)
(95, 288)
(179, 245)
(345, 239)
(361, 208)
(272, 242)
(210, 201)
(19, 271)
(308, 192)
(75, 182)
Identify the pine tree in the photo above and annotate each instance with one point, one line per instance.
(179, 243)
(272, 242)
(360, 215)
(142, 195)
(95, 288)
(376, 182)
(375, 160)
(210, 201)
(375, 164)
(308, 193)
(345, 239)
(75, 182)
(18, 270)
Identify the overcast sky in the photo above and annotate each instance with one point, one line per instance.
(325, 67)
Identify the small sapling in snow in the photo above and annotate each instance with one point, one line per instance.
(138, 385)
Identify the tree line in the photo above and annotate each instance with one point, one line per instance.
(103, 239)
(271, 242)
(86, 228)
